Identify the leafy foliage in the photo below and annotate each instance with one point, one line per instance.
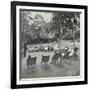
(65, 22)
(63, 25)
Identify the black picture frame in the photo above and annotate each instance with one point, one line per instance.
(14, 4)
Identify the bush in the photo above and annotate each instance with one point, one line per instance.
(40, 40)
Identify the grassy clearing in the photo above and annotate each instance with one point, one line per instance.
(68, 67)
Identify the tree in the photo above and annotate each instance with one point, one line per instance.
(25, 25)
(65, 22)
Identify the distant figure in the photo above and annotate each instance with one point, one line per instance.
(67, 52)
(28, 60)
(57, 57)
(75, 51)
(31, 62)
(25, 49)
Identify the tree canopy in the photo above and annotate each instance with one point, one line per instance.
(65, 22)
(62, 25)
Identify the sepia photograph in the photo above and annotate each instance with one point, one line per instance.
(49, 44)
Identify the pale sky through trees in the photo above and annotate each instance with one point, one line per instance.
(46, 15)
